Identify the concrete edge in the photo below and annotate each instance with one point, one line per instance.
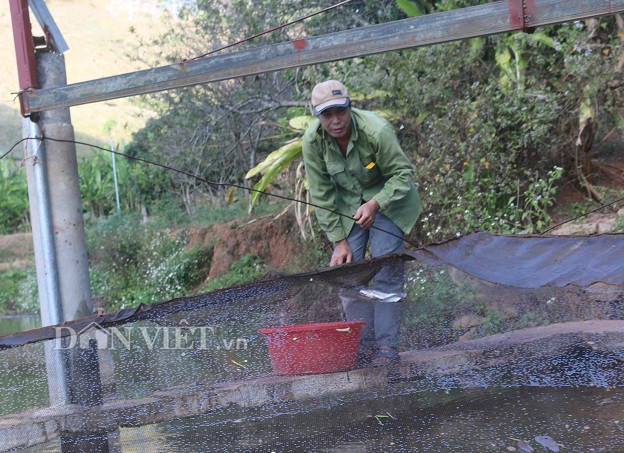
(38, 426)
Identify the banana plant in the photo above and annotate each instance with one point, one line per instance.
(510, 59)
(96, 184)
(278, 160)
(275, 163)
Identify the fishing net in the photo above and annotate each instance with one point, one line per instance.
(505, 341)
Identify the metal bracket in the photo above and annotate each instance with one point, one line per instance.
(25, 43)
(521, 13)
(53, 35)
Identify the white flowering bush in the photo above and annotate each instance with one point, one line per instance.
(491, 123)
(133, 264)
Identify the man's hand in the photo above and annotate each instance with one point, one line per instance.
(342, 253)
(365, 215)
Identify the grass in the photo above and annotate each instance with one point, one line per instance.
(249, 268)
(18, 291)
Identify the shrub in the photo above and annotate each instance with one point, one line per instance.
(249, 268)
(133, 263)
(14, 213)
(18, 291)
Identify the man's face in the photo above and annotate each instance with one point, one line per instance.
(336, 121)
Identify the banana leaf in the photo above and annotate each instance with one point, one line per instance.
(280, 160)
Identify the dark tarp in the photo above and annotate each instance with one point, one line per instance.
(533, 261)
(521, 261)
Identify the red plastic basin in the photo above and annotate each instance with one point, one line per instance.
(314, 348)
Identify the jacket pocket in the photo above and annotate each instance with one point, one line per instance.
(338, 174)
(370, 175)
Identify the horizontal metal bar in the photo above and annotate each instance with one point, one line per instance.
(492, 18)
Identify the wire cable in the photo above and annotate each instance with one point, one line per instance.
(283, 197)
(582, 215)
(13, 147)
(220, 184)
(227, 46)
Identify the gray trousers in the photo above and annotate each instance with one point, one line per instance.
(383, 319)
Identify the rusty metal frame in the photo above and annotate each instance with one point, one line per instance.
(491, 18)
(24, 45)
(521, 13)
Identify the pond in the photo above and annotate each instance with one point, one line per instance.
(403, 418)
(23, 381)
(18, 323)
(570, 400)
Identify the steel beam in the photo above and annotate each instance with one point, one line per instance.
(492, 18)
(24, 45)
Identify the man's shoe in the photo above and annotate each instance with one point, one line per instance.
(365, 357)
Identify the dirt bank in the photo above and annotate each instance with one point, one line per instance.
(276, 241)
(16, 250)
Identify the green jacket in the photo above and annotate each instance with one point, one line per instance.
(375, 167)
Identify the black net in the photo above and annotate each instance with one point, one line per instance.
(484, 366)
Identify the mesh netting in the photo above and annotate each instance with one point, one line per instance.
(483, 367)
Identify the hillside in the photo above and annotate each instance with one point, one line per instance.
(98, 35)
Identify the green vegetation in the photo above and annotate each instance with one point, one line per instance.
(532, 319)
(434, 302)
(441, 308)
(490, 153)
(140, 185)
(619, 225)
(133, 263)
(9, 289)
(490, 138)
(14, 215)
(492, 322)
(18, 291)
(249, 268)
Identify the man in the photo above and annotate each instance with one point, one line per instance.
(355, 166)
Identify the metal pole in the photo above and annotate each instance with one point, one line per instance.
(60, 225)
(48, 249)
(490, 18)
(49, 27)
(112, 147)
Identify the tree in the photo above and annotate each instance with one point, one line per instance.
(485, 121)
(217, 130)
